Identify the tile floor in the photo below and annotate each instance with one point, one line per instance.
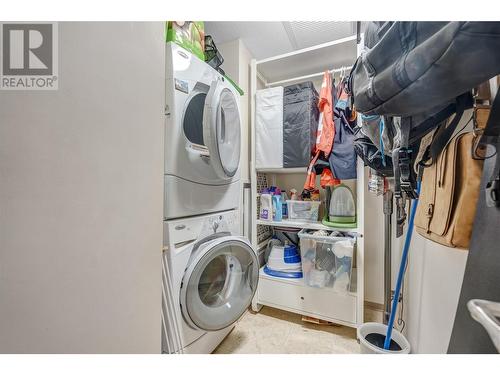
(273, 331)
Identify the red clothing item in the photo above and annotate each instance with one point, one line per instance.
(326, 131)
(325, 137)
(327, 178)
(311, 174)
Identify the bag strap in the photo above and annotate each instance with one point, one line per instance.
(430, 123)
(407, 183)
(490, 136)
(492, 128)
(400, 202)
(404, 185)
(445, 133)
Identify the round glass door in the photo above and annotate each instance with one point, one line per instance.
(221, 285)
(228, 132)
(222, 130)
(192, 121)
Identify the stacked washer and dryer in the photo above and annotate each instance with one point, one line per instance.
(210, 272)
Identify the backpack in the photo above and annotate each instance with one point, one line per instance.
(423, 72)
(418, 68)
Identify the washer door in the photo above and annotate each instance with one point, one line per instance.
(219, 284)
(222, 130)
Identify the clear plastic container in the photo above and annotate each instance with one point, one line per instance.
(303, 210)
(327, 259)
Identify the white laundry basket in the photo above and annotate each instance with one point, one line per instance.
(269, 128)
(367, 347)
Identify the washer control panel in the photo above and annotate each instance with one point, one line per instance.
(225, 222)
(198, 227)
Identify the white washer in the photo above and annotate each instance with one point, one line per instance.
(202, 137)
(210, 276)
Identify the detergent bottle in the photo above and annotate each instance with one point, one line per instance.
(277, 205)
(266, 206)
(284, 205)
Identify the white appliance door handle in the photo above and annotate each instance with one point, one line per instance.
(214, 127)
(487, 314)
(210, 115)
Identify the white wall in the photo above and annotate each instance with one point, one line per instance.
(433, 280)
(435, 275)
(81, 197)
(374, 246)
(245, 58)
(237, 66)
(230, 53)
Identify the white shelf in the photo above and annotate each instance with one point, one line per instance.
(302, 224)
(283, 170)
(295, 296)
(301, 282)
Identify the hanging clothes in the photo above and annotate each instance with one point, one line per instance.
(326, 134)
(342, 100)
(320, 166)
(343, 157)
(324, 141)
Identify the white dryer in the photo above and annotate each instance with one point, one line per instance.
(202, 138)
(210, 276)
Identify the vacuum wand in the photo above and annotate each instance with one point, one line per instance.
(388, 210)
(401, 272)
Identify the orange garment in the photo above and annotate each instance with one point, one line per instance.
(325, 137)
(327, 178)
(326, 131)
(311, 174)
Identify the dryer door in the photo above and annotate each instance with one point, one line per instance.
(222, 129)
(219, 284)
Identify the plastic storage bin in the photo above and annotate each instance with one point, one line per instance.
(303, 210)
(327, 259)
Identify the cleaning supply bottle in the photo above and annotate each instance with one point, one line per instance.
(277, 205)
(266, 206)
(284, 205)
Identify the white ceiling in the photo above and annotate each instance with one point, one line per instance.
(266, 39)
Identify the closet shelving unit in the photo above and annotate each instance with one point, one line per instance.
(293, 294)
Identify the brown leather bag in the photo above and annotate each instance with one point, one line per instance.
(449, 193)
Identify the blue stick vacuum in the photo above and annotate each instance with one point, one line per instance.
(401, 273)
